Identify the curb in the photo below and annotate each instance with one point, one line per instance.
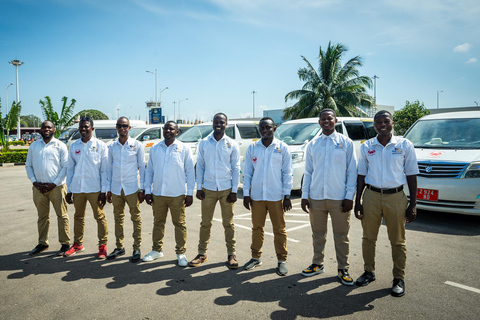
(12, 164)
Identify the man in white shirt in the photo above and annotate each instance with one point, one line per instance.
(126, 162)
(47, 168)
(328, 188)
(268, 180)
(87, 180)
(386, 163)
(170, 166)
(218, 172)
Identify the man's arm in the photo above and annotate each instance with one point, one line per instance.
(351, 178)
(411, 212)
(358, 206)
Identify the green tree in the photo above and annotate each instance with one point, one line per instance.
(405, 117)
(9, 123)
(94, 114)
(31, 120)
(62, 121)
(334, 86)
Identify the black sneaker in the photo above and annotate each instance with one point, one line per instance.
(345, 277)
(398, 288)
(63, 249)
(252, 264)
(365, 278)
(115, 253)
(135, 256)
(39, 248)
(312, 270)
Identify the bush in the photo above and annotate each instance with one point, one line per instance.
(12, 157)
(405, 117)
(16, 143)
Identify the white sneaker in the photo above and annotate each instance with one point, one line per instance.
(182, 260)
(153, 255)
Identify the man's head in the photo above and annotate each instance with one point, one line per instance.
(170, 132)
(220, 123)
(123, 126)
(383, 123)
(327, 121)
(47, 130)
(267, 128)
(85, 126)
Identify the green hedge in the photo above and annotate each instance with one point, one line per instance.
(16, 143)
(9, 157)
(18, 150)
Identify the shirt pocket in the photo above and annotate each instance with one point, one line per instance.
(131, 156)
(277, 160)
(339, 156)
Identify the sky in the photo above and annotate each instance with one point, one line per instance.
(217, 52)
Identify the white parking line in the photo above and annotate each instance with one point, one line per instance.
(461, 286)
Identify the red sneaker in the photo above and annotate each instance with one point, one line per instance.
(102, 251)
(74, 249)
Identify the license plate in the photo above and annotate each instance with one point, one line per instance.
(427, 194)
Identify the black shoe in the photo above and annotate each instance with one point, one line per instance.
(63, 249)
(136, 256)
(365, 278)
(115, 253)
(39, 248)
(398, 288)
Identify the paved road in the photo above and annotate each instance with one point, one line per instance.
(442, 271)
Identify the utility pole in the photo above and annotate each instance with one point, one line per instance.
(253, 93)
(438, 96)
(174, 119)
(17, 63)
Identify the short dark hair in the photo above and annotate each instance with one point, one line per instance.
(86, 119)
(123, 117)
(47, 121)
(173, 122)
(327, 110)
(220, 114)
(266, 118)
(382, 112)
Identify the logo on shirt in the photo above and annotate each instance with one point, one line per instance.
(94, 149)
(254, 159)
(371, 152)
(397, 151)
(339, 146)
(77, 151)
(133, 147)
(277, 150)
(56, 145)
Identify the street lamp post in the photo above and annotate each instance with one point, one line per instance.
(6, 96)
(375, 93)
(253, 93)
(161, 90)
(438, 96)
(17, 63)
(180, 100)
(156, 101)
(174, 119)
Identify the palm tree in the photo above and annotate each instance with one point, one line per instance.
(9, 123)
(62, 121)
(334, 86)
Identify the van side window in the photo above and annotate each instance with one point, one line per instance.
(230, 131)
(356, 130)
(339, 128)
(152, 133)
(248, 131)
(76, 135)
(371, 133)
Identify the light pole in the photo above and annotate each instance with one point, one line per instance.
(17, 63)
(156, 101)
(375, 93)
(161, 90)
(253, 93)
(438, 96)
(6, 96)
(174, 119)
(180, 100)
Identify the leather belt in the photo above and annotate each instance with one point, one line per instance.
(385, 191)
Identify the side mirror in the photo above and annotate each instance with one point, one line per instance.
(146, 138)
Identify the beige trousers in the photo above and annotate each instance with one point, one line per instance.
(118, 202)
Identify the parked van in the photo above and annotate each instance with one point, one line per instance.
(447, 146)
(297, 133)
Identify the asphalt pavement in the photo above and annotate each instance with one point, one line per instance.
(441, 276)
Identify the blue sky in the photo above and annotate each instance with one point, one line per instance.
(216, 52)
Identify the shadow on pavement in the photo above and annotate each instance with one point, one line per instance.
(445, 223)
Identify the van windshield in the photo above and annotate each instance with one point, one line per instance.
(297, 133)
(67, 134)
(195, 133)
(105, 134)
(134, 132)
(446, 134)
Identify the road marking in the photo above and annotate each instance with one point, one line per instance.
(461, 286)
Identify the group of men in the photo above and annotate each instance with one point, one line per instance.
(117, 174)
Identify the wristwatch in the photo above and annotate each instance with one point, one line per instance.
(287, 197)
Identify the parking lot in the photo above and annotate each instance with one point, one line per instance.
(441, 277)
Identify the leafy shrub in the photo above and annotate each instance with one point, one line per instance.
(12, 157)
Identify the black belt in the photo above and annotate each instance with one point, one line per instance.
(385, 191)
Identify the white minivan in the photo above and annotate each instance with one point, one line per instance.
(447, 146)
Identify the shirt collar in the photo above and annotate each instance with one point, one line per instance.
(211, 136)
(393, 140)
(128, 142)
(332, 136)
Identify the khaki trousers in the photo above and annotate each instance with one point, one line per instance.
(118, 202)
(42, 201)
(392, 208)
(259, 215)
(319, 210)
(80, 204)
(208, 209)
(161, 205)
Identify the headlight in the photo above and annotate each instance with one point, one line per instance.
(297, 156)
(473, 170)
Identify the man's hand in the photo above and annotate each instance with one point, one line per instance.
(102, 199)
(411, 212)
(247, 202)
(69, 198)
(306, 205)
(109, 197)
(149, 199)
(188, 201)
(287, 204)
(347, 205)
(141, 196)
(358, 210)
(232, 197)
(200, 195)
(38, 185)
(49, 186)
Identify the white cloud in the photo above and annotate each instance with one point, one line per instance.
(471, 60)
(463, 47)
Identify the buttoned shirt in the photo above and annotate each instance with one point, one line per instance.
(47, 162)
(87, 166)
(125, 164)
(387, 167)
(330, 168)
(218, 164)
(169, 169)
(268, 171)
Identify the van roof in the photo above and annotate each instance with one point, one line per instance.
(315, 120)
(453, 115)
(229, 122)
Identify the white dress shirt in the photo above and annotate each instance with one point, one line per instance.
(125, 163)
(268, 171)
(168, 169)
(330, 168)
(218, 164)
(387, 167)
(87, 166)
(47, 163)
